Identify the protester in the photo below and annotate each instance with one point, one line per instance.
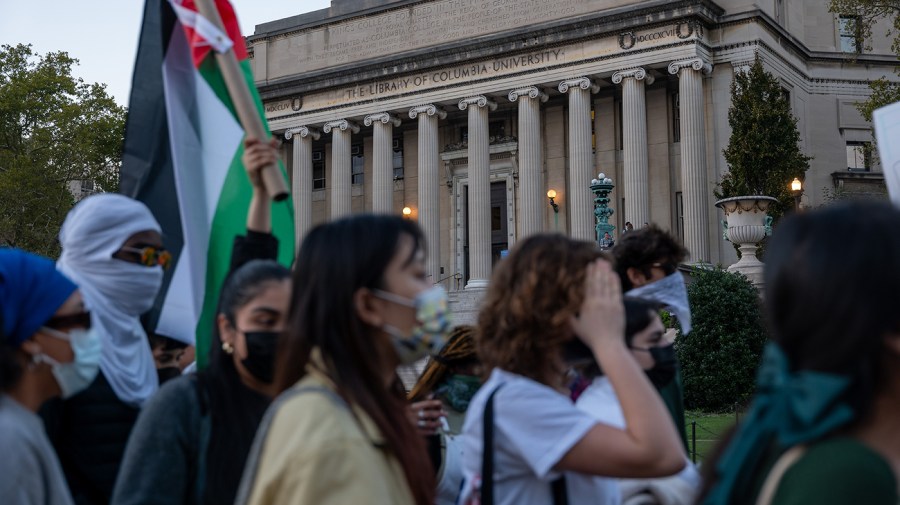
(647, 263)
(46, 350)
(112, 249)
(192, 439)
(652, 348)
(822, 427)
(440, 400)
(362, 305)
(550, 290)
(166, 354)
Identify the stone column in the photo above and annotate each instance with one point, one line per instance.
(695, 190)
(302, 183)
(531, 158)
(479, 190)
(340, 165)
(429, 183)
(634, 140)
(383, 162)
(581, 157)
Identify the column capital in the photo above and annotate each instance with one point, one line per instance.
(529, 91)
(303, 131)
(429, 109)
(639, 74)
(698, 64)
(341, 124)
(479, 100)
(578, 82)
(384, 117)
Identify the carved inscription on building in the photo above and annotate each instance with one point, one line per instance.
(415, 27)
(534, 61)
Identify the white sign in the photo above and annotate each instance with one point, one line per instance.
(887, 133)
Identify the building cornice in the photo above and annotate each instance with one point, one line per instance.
(548, 35)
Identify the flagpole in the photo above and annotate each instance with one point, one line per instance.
(243, 102)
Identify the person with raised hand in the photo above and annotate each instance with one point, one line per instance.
(191, 440)
(522, 433)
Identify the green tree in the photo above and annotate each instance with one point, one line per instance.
(868, 13)
(763, 153)
(54, 129)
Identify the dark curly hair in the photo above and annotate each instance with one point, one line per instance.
(533, 294)
(641, 248)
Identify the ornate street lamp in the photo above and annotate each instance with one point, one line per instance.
(601, 186)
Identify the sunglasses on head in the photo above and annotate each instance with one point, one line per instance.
(151, 256)
(79, 320)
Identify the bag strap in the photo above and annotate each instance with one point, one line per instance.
(487, 453)
(557, 487)
(784, 463)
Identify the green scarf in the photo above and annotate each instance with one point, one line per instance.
(789, 408)
(458, 390)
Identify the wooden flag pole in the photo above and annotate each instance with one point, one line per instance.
(243, 102)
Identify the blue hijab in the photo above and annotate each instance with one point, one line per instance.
(31, 291)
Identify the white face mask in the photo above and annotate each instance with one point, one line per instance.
(76, 376)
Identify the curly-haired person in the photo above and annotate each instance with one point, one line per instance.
(550, 290)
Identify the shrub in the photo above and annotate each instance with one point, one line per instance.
(720, 356)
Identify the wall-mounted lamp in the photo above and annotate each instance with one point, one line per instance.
(797, 190)
(407, 212)
(552, 196)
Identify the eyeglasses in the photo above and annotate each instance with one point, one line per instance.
(79, 320)
(151, 256)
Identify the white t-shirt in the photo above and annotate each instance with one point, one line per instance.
(599, 400)
(534, 427)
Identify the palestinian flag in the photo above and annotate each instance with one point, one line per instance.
(183, 146)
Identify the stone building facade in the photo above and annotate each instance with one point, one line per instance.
(469, 111)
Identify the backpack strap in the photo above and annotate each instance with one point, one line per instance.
(784, 463)
(557, 487)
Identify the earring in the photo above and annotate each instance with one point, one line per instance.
(228, 348)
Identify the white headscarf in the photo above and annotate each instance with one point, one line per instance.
(115, 291)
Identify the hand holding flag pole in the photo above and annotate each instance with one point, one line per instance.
(243, 102)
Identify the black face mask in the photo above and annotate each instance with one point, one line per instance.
(167, 373)
(665, 366)
(260, 360)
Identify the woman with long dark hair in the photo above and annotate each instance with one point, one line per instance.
(362, 305)
(522, 433)
(822, 428)
(192, 438)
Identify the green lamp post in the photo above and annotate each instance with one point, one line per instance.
(601, 186)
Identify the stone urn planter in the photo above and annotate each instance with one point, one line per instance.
(746, 224)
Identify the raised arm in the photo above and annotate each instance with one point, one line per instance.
(649, 445)
(259, 243)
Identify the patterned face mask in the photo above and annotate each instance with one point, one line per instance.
(429, 335)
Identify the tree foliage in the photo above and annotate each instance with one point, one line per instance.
(868, 13)
(720, 355)
(54, 129)
(763, 153)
